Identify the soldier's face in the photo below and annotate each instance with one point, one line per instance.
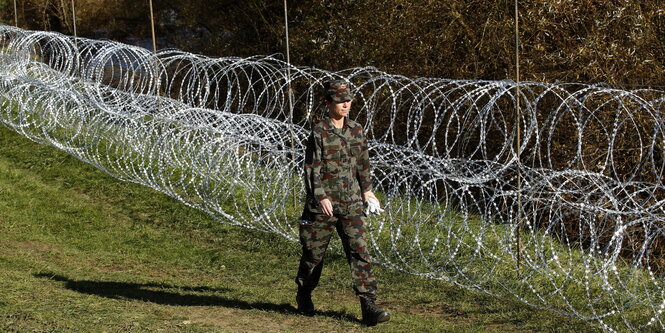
(339, 110)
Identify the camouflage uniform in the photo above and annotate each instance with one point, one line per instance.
(337, 168)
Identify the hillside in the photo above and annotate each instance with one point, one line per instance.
(83, 252)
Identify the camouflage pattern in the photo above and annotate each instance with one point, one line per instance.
(336, 168)
(337, 91)
(315, 237)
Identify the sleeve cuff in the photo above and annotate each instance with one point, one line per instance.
(319, 197)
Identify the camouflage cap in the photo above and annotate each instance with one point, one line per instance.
(337, 91)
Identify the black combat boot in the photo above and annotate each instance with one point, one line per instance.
(372, 314)
(304, 301)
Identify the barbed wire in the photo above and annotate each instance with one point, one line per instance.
(216, 134)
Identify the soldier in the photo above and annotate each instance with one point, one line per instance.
(337, 181)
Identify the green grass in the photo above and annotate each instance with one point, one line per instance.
(489, 266)
(81, 251)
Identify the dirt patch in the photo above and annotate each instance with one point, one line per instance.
(443, 310)
(39, 246)
(431, 310)
(34, 246)
(239, 320)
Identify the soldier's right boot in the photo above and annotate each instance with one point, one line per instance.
(304, 301)
(372, 314)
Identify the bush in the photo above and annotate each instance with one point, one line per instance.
(613, 41)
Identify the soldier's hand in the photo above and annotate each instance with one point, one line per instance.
(370, 194)
(372, 204)
(326, 207)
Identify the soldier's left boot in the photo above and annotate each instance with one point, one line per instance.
(372, 314)
(304, 301)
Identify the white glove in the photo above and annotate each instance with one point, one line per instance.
(373, 207)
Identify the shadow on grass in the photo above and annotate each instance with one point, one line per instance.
(179, 296)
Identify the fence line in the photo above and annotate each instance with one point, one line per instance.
(215, 133)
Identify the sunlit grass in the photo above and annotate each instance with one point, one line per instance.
(415, 235)
(84, 252)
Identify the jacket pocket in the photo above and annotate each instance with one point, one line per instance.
(356, 149)
(332, 152)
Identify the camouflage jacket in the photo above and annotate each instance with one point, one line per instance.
(336, 166)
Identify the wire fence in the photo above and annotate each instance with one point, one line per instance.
(581, 235)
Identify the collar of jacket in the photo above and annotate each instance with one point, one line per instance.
(328, 124)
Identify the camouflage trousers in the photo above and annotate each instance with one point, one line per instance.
(315, 237)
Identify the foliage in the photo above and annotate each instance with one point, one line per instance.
(621, 42)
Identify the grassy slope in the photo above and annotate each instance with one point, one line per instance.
(81, 251)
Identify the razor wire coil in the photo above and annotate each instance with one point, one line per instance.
(215, 133)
